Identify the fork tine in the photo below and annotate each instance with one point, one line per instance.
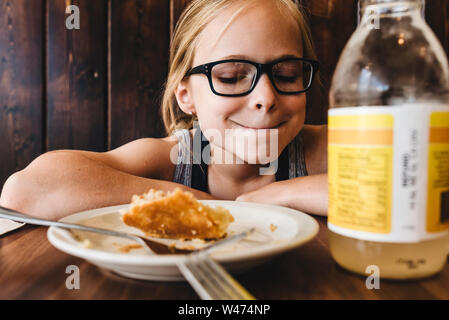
(213, 280)
(210, 280)
(226, 241)
(194, 281)
(198, 281)
(226, 280)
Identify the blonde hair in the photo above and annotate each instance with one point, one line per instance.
(185, 40)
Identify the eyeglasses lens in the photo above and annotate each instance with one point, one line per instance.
(238, 77)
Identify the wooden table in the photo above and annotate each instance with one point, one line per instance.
(31, 268)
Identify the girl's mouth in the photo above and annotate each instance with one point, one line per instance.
(259, 127)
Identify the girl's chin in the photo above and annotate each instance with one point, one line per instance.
(245, 156)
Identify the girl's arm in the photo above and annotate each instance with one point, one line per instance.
(63, 182)
(307, 194)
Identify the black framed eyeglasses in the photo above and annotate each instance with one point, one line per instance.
(236, 78)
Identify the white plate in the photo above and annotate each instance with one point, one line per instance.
(278, 229)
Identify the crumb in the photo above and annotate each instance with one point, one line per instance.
(127, 248)
(273, 227)
(172, 245)
(86, 243)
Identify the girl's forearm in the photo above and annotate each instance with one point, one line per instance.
(308, 194)
(63, 183)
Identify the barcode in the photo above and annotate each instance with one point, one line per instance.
(444, 214)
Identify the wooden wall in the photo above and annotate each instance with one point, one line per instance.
(99, 87)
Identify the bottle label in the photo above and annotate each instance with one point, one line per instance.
(389, 172)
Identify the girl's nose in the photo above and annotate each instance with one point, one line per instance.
(264, 94)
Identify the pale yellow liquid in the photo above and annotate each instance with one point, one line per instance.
(395, 261)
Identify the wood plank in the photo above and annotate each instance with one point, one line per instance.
(176, 8)
(332, 23)
(437, 16)
(76, 69)
(21, 57)
(138, 66)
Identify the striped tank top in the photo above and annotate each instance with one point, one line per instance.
(191, 169)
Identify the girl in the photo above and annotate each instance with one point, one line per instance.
(239, 68)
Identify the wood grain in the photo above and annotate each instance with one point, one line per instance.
(76, 67)
(332, 22)
(31, 268)
(21, 86)
(437, 16)
(139, 62)
(176, 8)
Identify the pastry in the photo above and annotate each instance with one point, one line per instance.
(176, 214)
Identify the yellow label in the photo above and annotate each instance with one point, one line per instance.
(438, 173)
(439, 120)
(361, 121)
(360, 172)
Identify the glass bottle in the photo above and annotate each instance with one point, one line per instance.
(389, 145)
